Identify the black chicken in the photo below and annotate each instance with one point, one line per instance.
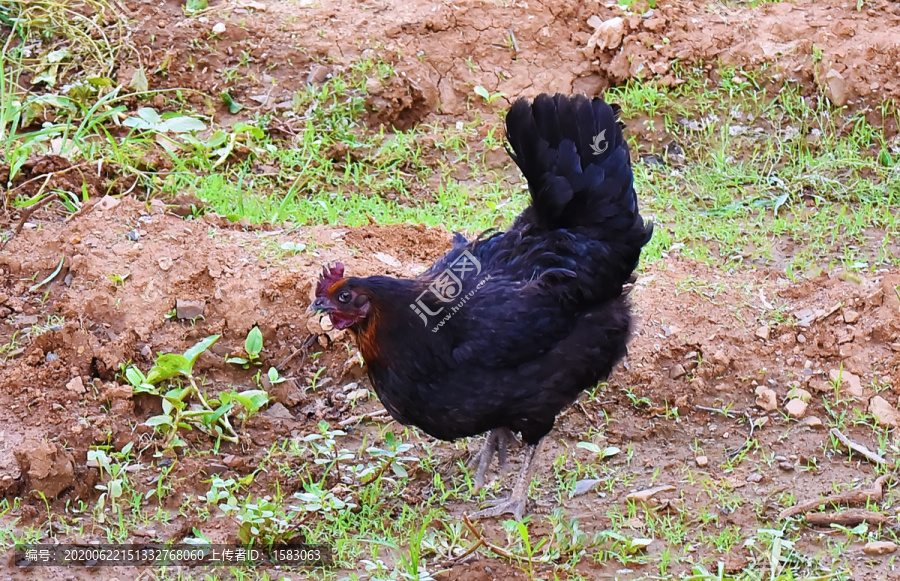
(507, 330)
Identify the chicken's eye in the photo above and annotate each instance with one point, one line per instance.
(344, 297)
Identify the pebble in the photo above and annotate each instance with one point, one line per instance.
(880, 548)
(813, 422)
(702, 461)
(51, 356)
(885, 414)
(851, 380)
(75, 385)
(796, 408)
(850, 316)
(801, 338)
(763, 332)
(787, 466)
(754, 478)
(189, 309)
(219, 28)
(766, 399)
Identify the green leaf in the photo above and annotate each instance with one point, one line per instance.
(57, 56)
(211, 418)
(168, 366)
(252, 399)
(195, 351)
(254, 343)
(253, 130)
(182, 124)
(115, 488)
(236, 360)
(482, 92)
(273, 374)
(159, 421)
(589, 446)
(196, 5)
(149, 116)
(49, 278)
(134, 376)
(233, 106)
(609, 452)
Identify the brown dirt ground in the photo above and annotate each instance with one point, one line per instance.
(697, 344)
(854, 56)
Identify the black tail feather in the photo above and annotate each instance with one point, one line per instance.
(575, 158)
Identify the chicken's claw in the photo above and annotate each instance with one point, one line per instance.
(497, 441)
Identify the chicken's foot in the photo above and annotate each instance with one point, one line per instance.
(516, 502)
(497, 441)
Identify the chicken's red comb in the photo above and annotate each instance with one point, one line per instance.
(330, 275)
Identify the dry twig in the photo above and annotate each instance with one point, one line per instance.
(858, 448)
(852, 497)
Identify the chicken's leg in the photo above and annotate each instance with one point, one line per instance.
(497, 441)
(515, 504)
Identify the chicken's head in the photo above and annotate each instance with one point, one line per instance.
(340, 298)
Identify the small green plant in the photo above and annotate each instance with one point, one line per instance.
(487, 95)
(118, 280)
(253, 345)
(166, 379)
(114, 467)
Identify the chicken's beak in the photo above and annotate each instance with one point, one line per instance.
(320, 305)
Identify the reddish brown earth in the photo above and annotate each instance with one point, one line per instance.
(699, 344)
(700, 341)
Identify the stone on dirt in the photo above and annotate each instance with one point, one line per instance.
(796, 408)
(880, 547)
(885, 414)
(46, 467)
(75, 385)
(185, 309)
(766, 398)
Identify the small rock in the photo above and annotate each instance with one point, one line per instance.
(75, 385)
(801, 338)
(813, 422)
(799, 393)
(677, 372)
(767, 399)
(885, 414)
(50, 357)
(754, 478)
(608, 34)
(702, 461)
(233, 461)
(318, 75)
(851, 380)
(45, 467)
(796, 408)
(780, 458)
(219, 28)
(786, 465)
(880, 548)
(361, 394)
(189, 309)
(388, 259)
(850, 316)
(133, 235)
(836, 88)
(763, 332)
(279, 411)
(165, 263)
(585, 486)
(108, 203)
